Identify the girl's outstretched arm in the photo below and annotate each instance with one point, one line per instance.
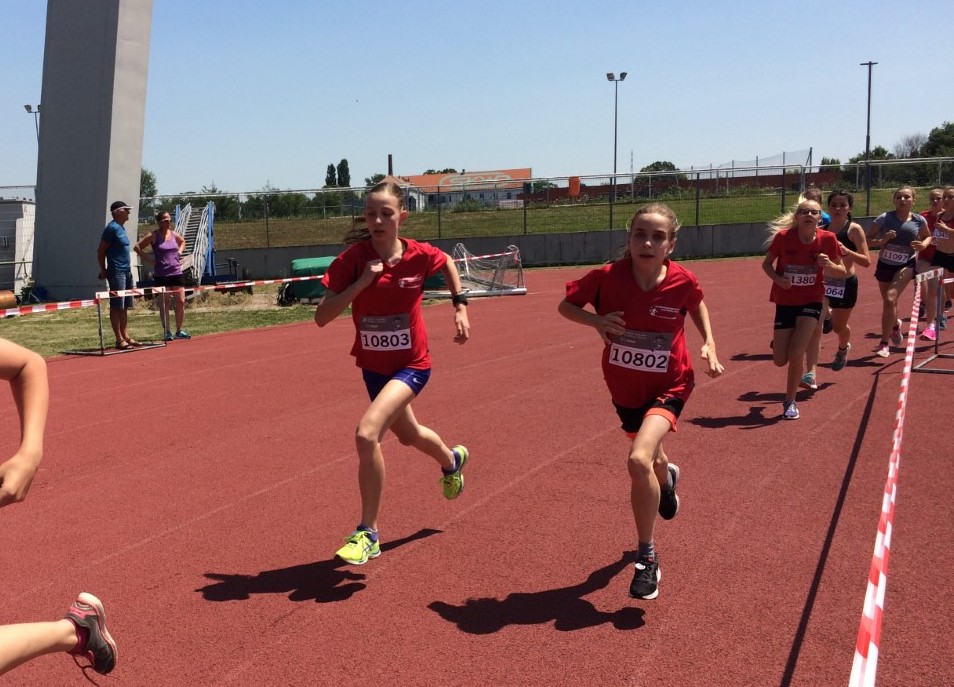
(26, 372)
(700, 317)
(452, 278)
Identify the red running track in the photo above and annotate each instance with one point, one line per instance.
(201, 489)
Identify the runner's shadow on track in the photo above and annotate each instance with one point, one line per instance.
(751, 357)
(754, 419)
(808, 609)
(565, 607)
(322, 581)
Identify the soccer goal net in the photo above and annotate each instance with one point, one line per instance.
(499, 274)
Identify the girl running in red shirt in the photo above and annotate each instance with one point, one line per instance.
(381, 276)
(639, 304)
(799, 255)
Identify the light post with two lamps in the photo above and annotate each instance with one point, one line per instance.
(36, 119)
(610, 76)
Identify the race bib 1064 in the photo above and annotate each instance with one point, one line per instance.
(643, 351)
(385, 333)
(835, 288)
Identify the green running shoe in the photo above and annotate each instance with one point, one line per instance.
(359, 548)
(453, 483)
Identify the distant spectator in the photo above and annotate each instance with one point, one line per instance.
(167, 247)
(115, 268)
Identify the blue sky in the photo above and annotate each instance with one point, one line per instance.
(281, 89)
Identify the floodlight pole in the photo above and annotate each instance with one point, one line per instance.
(36, 119)
(868, 64)
(610, 76)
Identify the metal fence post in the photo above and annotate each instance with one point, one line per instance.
(697, 199)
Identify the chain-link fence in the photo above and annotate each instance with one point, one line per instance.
(560, 204)
(700, 197)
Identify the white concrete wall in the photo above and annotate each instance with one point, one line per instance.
(93, 101)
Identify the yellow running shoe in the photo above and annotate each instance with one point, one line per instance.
(359, 548)
(453, 482)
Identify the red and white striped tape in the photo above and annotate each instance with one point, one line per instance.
(931, 274)
(865, 664)
(222, 286)
(47, 307)
(482, 257)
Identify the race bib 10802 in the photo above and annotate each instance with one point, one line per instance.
(644, 351)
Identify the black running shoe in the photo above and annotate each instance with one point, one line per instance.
(827, 326)
(668, 501)
(645, 584)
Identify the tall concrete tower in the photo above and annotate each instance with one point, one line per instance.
(95, 64)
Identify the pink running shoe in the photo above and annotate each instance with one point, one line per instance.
(95, 642)
(929, 333)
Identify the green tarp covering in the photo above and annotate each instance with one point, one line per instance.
(306, 267)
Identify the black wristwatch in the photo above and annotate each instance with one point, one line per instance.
(457, 299)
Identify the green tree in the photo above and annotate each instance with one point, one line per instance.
(660, 166)
(830, 161)
(446, 170)
(877, 153)
(940, 142)
(147, 189)
(331, 177)
(147, 184)
(344, 174)
(327, 203)
(373, 179)
(662, 182)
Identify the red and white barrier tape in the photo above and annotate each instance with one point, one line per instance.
(931, 274)
(222, 286)
(46, 307)
(483, 257)
(865, 664)
(152, 290)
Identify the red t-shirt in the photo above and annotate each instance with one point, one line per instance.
(928, 253)
(389, 329)
(799, 261)
(651, 360)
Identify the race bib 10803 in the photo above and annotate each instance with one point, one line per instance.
(385, 333)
